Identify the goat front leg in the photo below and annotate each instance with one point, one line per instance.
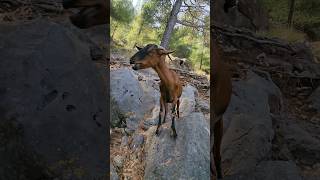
(162, 106)
(213, 173)
(178, 105)
(173, 113)
(165, 112)
(218, 133)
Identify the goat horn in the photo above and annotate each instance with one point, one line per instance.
(139, 48)
(165, 50)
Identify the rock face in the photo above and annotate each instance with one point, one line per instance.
(186, 157)
(315, 99)
(249, 14)
(135, 99)
(248, 125)
(270, 170)
(187, 100)
(57, 96)
(113, 173)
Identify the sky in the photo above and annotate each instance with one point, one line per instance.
(135, 3)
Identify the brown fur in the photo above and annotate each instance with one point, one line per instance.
(170, 85)
(220, 97)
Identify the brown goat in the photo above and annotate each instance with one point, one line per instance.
(153, 56)
(93, 12)
(220, 97)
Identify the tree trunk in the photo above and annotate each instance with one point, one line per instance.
(291, 11)
(139, 32)
(171, 23)
(203, 45)
(201, 60)
(114, 31)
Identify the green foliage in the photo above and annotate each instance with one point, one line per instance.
(155, 13)
(183, 50)
(306, 11)
(148, 26)
(122, 10)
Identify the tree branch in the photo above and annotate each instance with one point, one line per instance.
(189, 24)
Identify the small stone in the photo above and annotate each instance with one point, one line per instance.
(113, 173)
(137, 141)
(140, 78)
(304, 117)
(203, 106)
(128, 131)
(150, 122)
(124, 141)
(118, 161)
(261, 56)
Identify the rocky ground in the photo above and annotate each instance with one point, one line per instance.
(271, 126)
(136, 153)
(53, 95)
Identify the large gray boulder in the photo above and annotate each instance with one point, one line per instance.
(315, 99)
(134, 98)
(248, 124)
(186, 157)
(187, 100)
(137, 95)
(58, 98)
(187, 106)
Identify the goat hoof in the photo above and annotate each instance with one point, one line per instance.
(157, 132)
(174, 135)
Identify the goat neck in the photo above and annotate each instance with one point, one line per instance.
(163, 71)
(215, 65)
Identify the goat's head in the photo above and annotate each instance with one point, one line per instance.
(93, 12)
(148, 56)
(230, 4)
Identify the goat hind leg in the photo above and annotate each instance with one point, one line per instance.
(178, 104)
(173, 113)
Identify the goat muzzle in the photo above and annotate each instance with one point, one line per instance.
(136, 67)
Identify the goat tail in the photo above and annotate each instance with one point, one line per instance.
(178, 104)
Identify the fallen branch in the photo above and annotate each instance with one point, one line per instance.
(238, 33)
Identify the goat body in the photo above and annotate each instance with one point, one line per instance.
(220, 98)
(92, 13)
(153, 56)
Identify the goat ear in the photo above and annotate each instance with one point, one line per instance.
(139, 48)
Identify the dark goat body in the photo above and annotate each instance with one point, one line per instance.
(229, 4)
(220, 98)
(92, 13)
